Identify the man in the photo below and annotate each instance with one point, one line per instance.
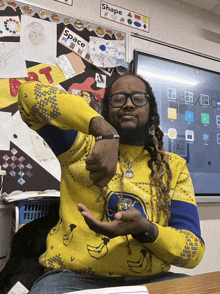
(137, 200)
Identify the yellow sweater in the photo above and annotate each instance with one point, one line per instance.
(71, 244)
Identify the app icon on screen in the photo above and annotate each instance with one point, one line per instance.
(218, 120)
(204, 100)
(181, 96)
(172, 133)
(218, 138)
(205, 137)
(189, 116)
(172, 113)
(171, 93)
(179, 146)
(205, 118)
(218, 102)
(189, 135)
(188, 97)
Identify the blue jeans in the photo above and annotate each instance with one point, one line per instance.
(64, 281)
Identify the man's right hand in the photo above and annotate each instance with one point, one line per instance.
(102, 162)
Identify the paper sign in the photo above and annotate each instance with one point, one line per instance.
(38, 40)
(124, 16)
(10, 26)
(100, 80)
(75, 43)
(47, 74)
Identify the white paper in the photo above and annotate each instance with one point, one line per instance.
(12, 64)
(20, 135)
(100, 80)
(107, 53)
(66, 67)
(5, 130)
(42, 150)
(33, 195)
(24, 141)
(38, 40)
(115, 290)
(18, 288)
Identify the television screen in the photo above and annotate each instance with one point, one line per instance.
(188, 100)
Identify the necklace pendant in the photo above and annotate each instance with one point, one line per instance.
(129, 173)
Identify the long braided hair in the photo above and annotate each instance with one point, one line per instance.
(159, 162)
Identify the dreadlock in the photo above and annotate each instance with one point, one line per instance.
(159, 162)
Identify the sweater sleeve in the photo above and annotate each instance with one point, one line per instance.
(178, 247)
(180, 243)
(40, 105)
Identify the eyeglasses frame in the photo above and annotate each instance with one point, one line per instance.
(129, 95)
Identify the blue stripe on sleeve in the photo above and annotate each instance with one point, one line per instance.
(71, 136)
(185, 216)
(59, 140)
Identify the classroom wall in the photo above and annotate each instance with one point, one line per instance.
(178, 24)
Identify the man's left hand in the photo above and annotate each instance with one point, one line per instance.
(126, 222)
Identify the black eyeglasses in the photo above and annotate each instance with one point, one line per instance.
(138, 99)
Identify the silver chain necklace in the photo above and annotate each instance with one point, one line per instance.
(129, 172)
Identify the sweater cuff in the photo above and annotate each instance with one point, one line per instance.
(167, 243)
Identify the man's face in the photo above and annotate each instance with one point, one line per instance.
(129, 116)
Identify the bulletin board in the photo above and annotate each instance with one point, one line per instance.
(37, 44)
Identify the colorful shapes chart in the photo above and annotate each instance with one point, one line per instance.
(124, 16)
(16, 167)
(24, 173)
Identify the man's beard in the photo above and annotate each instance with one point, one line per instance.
(133, 136)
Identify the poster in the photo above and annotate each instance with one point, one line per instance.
(124, 16)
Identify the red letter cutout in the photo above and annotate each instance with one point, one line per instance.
(46, 71)
(32, 76)
(14, 85)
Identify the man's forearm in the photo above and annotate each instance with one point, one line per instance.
(38, 107)
(102, 163)
(98, 126)
(178, 247)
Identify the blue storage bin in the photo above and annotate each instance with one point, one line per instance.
(29, 210)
